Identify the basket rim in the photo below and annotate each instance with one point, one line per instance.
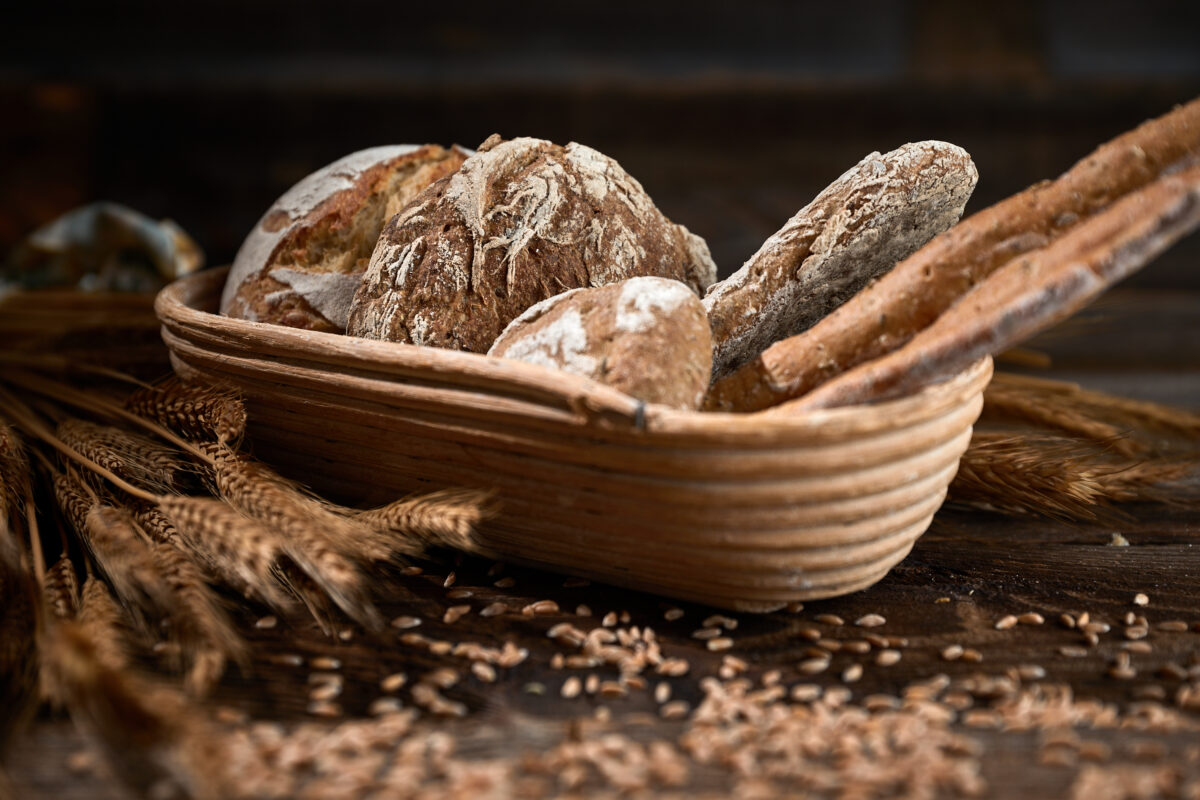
(179, 307)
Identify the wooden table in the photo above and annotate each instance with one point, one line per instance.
(970, 570)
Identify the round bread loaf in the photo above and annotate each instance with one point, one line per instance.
(648, 337)
(521, 221)
(303, 260)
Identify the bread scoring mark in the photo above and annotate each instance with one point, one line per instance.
(643, 300)
(561, 344)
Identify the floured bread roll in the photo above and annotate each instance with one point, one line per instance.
(303, 260)
(521, 221)
(648, 337)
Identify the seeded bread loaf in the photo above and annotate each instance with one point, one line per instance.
(876, 214)
(520, 221)
(648, 337)
(908, 299)
(303, 260)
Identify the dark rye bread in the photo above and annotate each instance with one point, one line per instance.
(1029, 293)
(521, 221)
(876, 214)
(647, 337)
(908, 299)
(302, 262)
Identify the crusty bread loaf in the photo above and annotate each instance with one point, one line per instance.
(303, 260)
(876, 214)
(521, 221)
(1029, 293)
(888, 313)
(648, 337)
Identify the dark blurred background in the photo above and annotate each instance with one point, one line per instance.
(732, 114)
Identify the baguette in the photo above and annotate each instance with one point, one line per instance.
(908, 299)
(1029, 293)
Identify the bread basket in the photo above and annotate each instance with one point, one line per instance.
(742, 511)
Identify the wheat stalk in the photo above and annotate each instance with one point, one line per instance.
(136, 458)
(1054, 411)
(198, 411)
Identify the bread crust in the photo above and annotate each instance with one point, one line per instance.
(303, 260)
(908, 299)
(877, 213)
(521, 221)
(1029, 293)
(647, 337)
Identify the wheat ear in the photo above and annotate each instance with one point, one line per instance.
(13, 466)
(61, 590)
(18, 623)
(1058, 477)
(139, 459)
(312, 536)
(152, 738)
(113, 540)
(106, 623)
(89, 401)
(1091, 414)
(198, 624)
(239, 550)
(447, 518)
(203, 412)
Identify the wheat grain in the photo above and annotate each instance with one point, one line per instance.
(198, 411)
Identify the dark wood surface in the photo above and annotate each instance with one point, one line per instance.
(969, 570)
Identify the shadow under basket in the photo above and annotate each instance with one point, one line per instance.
(742, 511)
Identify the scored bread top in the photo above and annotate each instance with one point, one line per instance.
(520, 221)
(303, 260)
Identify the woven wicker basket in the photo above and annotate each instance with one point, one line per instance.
(743, 511)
